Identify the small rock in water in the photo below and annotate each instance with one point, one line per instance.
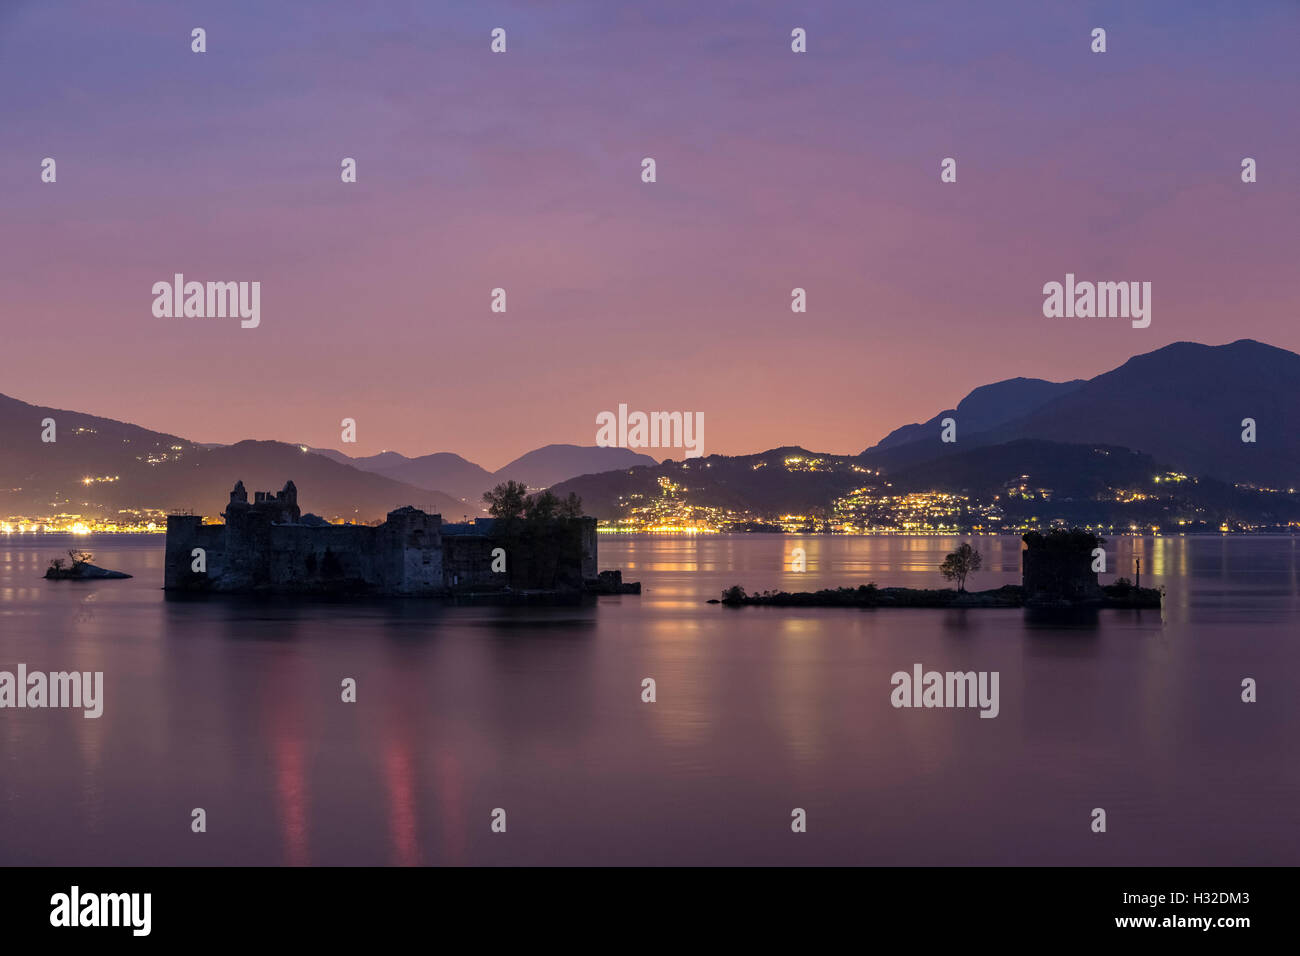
(83, 572)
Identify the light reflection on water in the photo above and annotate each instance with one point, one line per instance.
(234, 705)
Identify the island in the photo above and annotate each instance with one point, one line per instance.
(80, 569)
(1056, 572)
(535, 548)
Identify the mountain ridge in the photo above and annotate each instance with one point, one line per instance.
(1183, 404)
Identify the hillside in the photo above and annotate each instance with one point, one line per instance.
(1182, 404)
(98, 467)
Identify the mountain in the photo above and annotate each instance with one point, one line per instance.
(796, 481)
(1182, 404)
(553, 464)
(98, 467)
(463, 479)
(326, 488)
(443, 470)
(540, 468)
(380, 463)
(1027, 482)
(1177, 409)
(1032, 479)
(787, 479)
(986, 407)
(1070, 471)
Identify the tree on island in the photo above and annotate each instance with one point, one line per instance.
(535, 531)
(734, 595)
(544, 507)
(960, 563)
(506, 500)
(510, 501)
(79, 558)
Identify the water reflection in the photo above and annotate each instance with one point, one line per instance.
(234, 705)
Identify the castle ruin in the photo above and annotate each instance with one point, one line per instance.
(269, 545)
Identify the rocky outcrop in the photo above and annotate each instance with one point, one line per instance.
(82, 572)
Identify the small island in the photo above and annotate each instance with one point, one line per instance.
(80, 569)
(532, 549)
(1056, 572)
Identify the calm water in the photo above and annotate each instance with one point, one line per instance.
(234, 706)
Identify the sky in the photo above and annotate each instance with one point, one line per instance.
(522, 171)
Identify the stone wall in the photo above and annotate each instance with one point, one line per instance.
(251, 553)
(184, 534)
(467, 563)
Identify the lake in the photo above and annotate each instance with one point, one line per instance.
(233, 705)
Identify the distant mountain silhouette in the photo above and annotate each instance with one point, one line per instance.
(457, 476)
(443, 470)
(986, 407)
(1182, 404)
(1069, 470)
(552, 464)
(761, 483)
(155, 470)
(1081, 481)
(378, 463)
(778, 481)
(1176, 408)
(326, 488)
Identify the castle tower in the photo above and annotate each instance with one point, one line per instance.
(289, 502)
(238, 500)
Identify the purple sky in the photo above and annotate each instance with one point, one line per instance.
(522, 171)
